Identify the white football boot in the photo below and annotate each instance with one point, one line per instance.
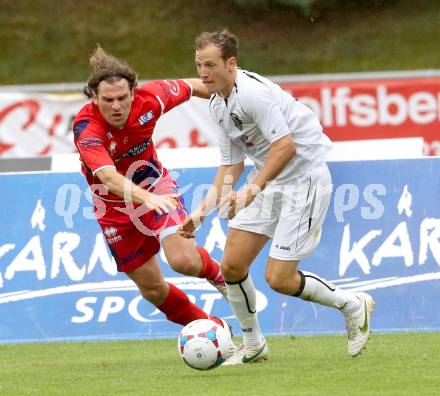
(358, 324)
(243, 354)
(219, 282)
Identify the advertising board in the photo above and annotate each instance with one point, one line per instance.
(58, 280)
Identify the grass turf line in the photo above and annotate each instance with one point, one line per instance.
(393, 364)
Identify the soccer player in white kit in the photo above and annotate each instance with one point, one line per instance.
(286, 198)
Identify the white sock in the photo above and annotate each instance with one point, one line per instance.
(318, 290)
(242, 297)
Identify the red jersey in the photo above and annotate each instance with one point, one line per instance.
(130, 150)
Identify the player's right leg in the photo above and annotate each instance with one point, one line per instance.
(169, 299)
(173, 302)
(187, 258)
(134, 247)
(240, 251)
(283, 277)
(182, 254)
(297, 234)
(356, 307)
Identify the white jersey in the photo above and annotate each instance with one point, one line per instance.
(256, 114)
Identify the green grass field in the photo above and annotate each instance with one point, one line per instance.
(393, 364)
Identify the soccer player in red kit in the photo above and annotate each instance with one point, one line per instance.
(135, 197)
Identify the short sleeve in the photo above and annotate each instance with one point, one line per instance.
(88, 136)
(230, 152)
(169, 93)
(266, 113)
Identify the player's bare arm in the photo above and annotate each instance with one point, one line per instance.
(120, 185)
(225, 179)
(280, 153)
(198, 88)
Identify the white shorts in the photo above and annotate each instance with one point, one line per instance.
(291, 215)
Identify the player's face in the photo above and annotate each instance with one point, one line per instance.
(114, 101)
(217, 74)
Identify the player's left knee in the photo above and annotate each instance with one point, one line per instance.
(275, 282)
(231, 271)
(278, 283)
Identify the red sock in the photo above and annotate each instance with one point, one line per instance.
(179, 309)
(210, 268)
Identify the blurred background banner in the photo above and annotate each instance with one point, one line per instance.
(33, 124)
(376, 109)
(58, 280)
(358, 106)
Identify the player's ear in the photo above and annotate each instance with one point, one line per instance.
(231, 62)
(95, 98)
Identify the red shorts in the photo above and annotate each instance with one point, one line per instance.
(132, 232)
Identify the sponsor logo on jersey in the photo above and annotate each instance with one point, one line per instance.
(112, 148)
(174, 87)
(169, 87)
(134, 151)
(143, 119)
(237, 122)
(90, 141)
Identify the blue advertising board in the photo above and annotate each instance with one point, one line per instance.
(58, 280)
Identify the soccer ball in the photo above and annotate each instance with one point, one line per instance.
(203, 344)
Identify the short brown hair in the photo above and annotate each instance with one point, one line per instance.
(108, 68)
(223, 39)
